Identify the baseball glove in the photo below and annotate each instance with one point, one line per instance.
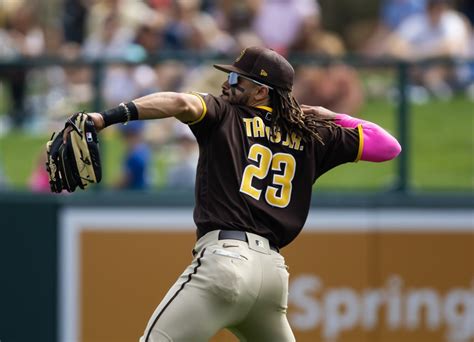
(76, 162)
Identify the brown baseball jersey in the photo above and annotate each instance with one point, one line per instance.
(250, 180)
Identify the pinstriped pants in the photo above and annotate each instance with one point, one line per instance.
(230, 284)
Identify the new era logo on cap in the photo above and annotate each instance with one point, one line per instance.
(263, 73)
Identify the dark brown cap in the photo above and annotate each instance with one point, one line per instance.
(263, 65)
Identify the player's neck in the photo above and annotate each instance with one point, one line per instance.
(256, 103)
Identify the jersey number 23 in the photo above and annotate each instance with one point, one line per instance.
(283, 165)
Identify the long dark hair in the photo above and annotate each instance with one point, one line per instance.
(287, 115)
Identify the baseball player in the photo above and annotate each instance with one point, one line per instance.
(260, 154)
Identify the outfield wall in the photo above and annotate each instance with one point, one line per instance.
(375, 275)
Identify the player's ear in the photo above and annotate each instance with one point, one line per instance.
(262, 93)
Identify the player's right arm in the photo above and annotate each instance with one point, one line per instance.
(375, 143)
(185, 107)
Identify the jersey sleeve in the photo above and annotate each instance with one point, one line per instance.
(341, 145)
(214, 109)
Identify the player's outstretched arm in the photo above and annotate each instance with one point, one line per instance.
(185, 107)
(378, 144)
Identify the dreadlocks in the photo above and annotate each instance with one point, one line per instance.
(287, 115)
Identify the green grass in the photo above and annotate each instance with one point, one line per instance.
(19, 153)
(443, 140)
(441, 152)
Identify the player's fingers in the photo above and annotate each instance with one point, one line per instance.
(309, 109)
(98, 120)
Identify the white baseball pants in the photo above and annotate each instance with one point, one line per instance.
(238, 285)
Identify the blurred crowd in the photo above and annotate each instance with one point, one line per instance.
(136, 30)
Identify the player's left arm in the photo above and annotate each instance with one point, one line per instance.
(186, 107)
(375, 143)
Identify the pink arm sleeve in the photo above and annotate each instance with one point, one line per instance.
(376, 144)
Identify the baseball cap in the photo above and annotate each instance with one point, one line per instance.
(263, 65)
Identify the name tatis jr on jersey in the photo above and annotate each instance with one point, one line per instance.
(256, 128)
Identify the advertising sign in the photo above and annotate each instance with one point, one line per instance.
(362, 275)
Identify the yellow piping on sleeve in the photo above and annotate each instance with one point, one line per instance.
(204, 110)
(361, 143)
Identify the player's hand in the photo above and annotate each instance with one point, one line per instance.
(319, 112)
(96, 118)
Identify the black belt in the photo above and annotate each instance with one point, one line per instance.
(241, 236)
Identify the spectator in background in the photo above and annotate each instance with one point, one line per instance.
(116, 41)
(236, 16)
(39, 178)
(440, 32)
(278, 22)
(465, 72)
(182, 173)
(180, 33)
(136, 164)
(21, 37)
(116, 37)
(130, 13)
(74, 21)
(149, 37)
(312, 38)
(147, 42)
(209, 78)
(161, 5)
(192, 29)
(110, 40)
(392, 13)
(335, 86)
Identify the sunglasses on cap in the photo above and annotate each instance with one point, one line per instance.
(233, 79)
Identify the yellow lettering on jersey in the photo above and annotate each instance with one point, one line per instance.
(287, 141)
(295, 141)
(267, 132)
(258, 127)
(248, 126)
(275, 138)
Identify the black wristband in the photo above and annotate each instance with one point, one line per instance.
(124, 112)
(133, 111)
